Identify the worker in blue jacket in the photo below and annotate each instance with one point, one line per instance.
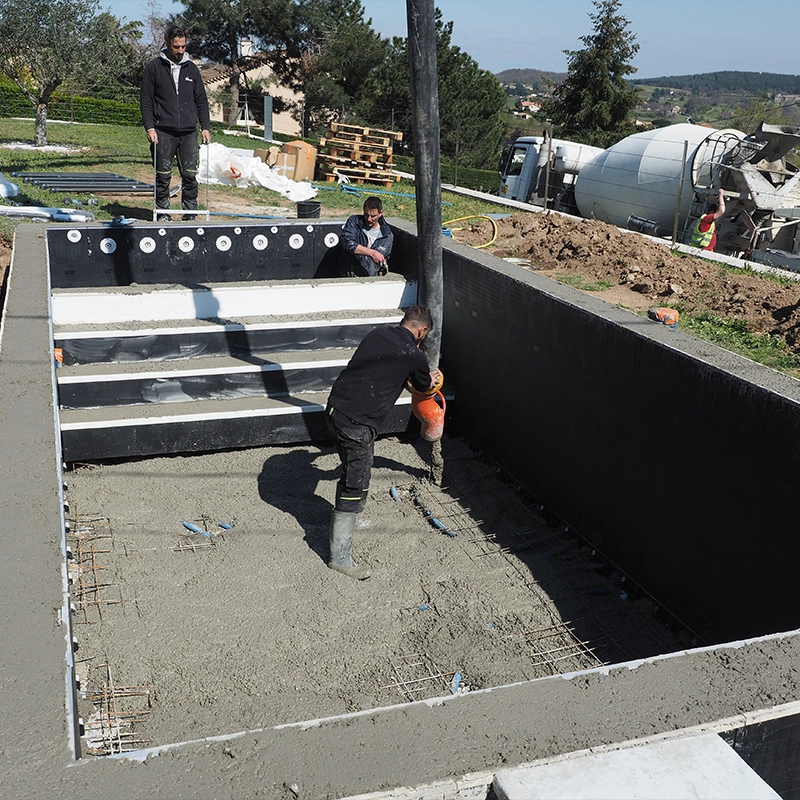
(173, 100)
(366, 242)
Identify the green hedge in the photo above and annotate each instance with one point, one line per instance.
(482, 180)
(71, 108)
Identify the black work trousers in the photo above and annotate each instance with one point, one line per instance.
(185, 146)
(355, 444)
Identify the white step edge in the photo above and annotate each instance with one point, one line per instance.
(108, 307)
(309, 408)
(185, 370)
(213, 327)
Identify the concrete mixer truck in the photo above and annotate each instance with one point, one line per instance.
(662, 180)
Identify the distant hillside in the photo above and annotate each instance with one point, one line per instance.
(533, 77)
(750, 83)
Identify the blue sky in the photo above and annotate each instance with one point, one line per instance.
(676, 37)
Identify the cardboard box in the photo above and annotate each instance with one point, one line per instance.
(305, 159)
(285, 165)
(268, 155)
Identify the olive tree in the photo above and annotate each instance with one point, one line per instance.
(46, 42)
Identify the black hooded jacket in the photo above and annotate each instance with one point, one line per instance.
(162, 107)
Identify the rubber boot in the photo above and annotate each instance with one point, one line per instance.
(343, 525)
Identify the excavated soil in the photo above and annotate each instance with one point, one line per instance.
(638, 273)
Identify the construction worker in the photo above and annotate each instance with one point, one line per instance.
(366, 242)
(361, 397)
(704, 235)
(172, 100)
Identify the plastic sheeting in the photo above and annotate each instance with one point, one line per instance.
(7, 189)
(222, 165)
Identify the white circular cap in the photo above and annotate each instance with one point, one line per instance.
(331, 239)
(237, 231)
(74, 236)
(186, 244)
(296, 241)
(108, 245)
(223, 243)
(274, 229)
(147, 245)
(260, 242)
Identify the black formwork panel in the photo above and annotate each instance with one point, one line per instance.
(772, 750)
(288, 380)
(237, 342)
(207, 435)
(148, 253)
(678, 461)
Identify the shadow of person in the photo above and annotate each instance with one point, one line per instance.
(288, 481)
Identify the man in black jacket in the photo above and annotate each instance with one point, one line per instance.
(172, 100)
(361, 397)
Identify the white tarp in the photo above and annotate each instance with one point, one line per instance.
(7, 189)
(233, 167)
(40, 212)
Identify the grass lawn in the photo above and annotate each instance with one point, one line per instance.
(123, 150)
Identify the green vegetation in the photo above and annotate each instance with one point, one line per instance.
(594, 104)
(123, 150)
(733, 335)
(42, 45)
(580, 282)
(471, 103)
(749, 83)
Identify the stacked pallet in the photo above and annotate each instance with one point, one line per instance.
(358, 154)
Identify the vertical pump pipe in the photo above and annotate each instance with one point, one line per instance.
(680, 193)
(427, 163)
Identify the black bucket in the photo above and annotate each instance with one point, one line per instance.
(308, 209)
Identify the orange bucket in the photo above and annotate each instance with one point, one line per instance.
(429, 412)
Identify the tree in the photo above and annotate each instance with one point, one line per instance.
(594, 102)
(46, 42)
(324, 50)
(760, 109)
(471, 101)
(218, 27)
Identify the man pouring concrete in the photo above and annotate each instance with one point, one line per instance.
(361, 397)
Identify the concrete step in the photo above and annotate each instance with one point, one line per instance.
(229, 301)
(170, 369)
(204, 425)
(208, 378)
(186, 339)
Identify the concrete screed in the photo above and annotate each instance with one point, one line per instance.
(254, 633)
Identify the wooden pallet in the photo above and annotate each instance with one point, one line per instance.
(360, 176)
(357, 158)
(356, 130)
(344, 146)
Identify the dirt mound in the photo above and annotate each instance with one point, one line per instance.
(635, 272)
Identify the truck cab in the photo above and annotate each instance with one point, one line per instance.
(518, 167)
(542, 171)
